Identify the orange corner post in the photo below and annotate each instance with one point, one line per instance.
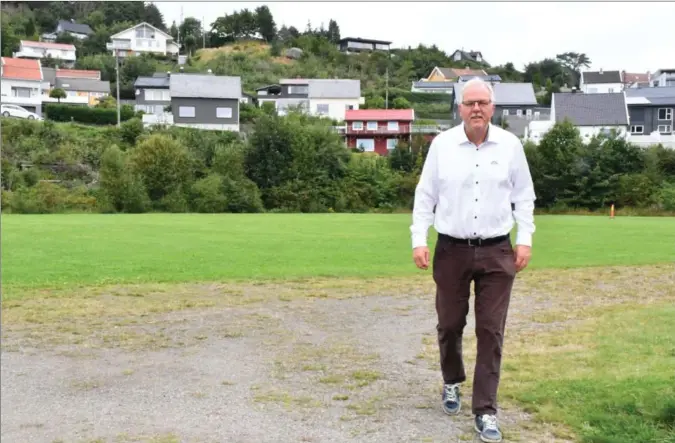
(611, 211)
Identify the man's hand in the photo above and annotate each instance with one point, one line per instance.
(522, 257)
(421, 257)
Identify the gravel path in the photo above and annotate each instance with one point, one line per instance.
(321, 369)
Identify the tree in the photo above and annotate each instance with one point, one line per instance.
(153, 16)
(58, 94)
(573, 61)
(265, 23)
(333, 31)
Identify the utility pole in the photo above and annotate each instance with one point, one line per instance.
(117, 85)
(203, 33)
(386, 89)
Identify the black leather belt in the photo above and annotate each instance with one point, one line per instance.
(474, 241)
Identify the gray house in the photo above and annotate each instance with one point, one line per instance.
(205, 101)
(592, 114)
(321, 97)
(515, 103)
(77, 30)
(152, 93)
(651, 109)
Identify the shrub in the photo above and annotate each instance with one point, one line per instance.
(84, 114)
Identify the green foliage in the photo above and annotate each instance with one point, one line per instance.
(294, 163)
(84, 114)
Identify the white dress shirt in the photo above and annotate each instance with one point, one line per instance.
(473, 187)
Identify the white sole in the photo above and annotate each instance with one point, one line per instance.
(452, 414)
(484, 439)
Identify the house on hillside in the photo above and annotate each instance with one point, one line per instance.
(433, 87)
(461, 55)
(21, 83)
(69, 27)
(378, 130)
(601, 82)
(352, 44)
(592, 114)
(635, 80)
(515, 103)
(663, 77)
(83, 87)
(205, 101)
(439, 74)
(153, 93)
(63, 53)
(651, 110)
(321, 97)
(142, 39)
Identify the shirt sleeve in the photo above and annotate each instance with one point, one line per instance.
(522, 197)
(426, 198)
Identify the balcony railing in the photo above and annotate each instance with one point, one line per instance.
(118, 45)
(402, 129)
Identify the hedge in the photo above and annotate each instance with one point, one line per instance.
(85, 114)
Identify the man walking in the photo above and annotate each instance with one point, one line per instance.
(477, 178)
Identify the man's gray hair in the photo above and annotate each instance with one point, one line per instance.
(477, 81)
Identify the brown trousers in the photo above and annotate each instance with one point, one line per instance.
(492, 269)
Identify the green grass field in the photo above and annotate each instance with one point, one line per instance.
(65, 250)
(608, 377)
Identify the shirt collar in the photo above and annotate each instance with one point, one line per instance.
(491, 138)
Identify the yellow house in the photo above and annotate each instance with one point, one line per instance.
(439, 74)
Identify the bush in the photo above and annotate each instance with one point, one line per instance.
(667, 197)
(85, 114)
(47, 197)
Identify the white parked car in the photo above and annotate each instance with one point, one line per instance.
(19, 112)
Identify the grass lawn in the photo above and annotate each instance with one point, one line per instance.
(611, 377)
(67, 250)
(605, 372)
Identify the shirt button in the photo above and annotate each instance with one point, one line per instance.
(476, 165)
(475, 216)
(476, 182)
(476, 199)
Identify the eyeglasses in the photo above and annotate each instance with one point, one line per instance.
(481, 103)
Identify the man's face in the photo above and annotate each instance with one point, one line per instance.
(476, 108)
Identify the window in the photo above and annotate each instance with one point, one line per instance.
(505, 112)
(665, 114)
(367, 144)
(372, 126)
(322, 109)
(637, 129)
(537, 114)
(357, 126)
(349, 107)
(519, 112)
(392, 126)
(157, 95)
(665, 129)
(528, 112)
(610, 90)
(298, 89)
(224, 112)
(391, 143)
(21, 92)
(186, 111)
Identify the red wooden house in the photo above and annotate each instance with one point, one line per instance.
(378, 130)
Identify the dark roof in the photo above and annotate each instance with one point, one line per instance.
(82, 84)
(486, 78)
(591, 109)
(663, 95)
(152, 82)
(364, 40)
(591, 77)
(77, 28)
(205, 86)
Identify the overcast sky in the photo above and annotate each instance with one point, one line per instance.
(637, 37)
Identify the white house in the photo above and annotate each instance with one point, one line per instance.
(21, 83)
(591, 114)
(333, 97)
(40, 50)
(601, 82)
(140, 39)
(663, 77)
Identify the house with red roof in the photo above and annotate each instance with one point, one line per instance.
(378, 130)
(63, 53)
(21, 83)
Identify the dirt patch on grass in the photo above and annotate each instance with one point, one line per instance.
(314, 360)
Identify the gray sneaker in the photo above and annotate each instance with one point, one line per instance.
(487, 428)
(452, 402)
